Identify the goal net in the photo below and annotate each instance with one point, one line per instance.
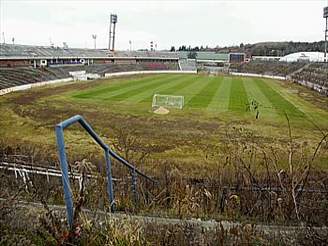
(168, 101)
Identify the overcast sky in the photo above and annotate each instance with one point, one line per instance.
(165, 22)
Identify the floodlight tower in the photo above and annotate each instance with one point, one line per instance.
(325, 15)
(151, 45)
(94, 37)
(112, 26)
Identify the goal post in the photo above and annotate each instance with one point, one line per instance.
(168, 101)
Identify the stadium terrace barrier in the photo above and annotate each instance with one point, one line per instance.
(108, 154)
(108, 75)
(32, 85)
(258, 75)
(319, 88)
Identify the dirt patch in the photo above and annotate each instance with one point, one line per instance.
(161, 110)
(32, 95)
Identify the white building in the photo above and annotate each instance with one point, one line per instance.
(304, 56)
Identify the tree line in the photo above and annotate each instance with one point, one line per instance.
(259, 49)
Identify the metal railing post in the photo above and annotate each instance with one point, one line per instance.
(108, 155)
(134, 186)
(110, 189)
(65, 179)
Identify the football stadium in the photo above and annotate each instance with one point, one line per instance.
(163, 147)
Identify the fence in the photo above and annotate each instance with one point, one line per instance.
(108, 154)
(108, 75)
(258, 75)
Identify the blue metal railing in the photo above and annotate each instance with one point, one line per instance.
(108, 154)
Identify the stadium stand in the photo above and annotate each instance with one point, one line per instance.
(26, 64)
(273, 68)
(9, 50)
(10, 77)
(315, 76)
(312, 75)
(206, 55)
(158, 54)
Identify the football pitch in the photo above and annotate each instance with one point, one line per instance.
(217, 110)
(213, 95)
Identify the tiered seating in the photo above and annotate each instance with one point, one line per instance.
(315, 76)
(10, 77)
(101, 69)
(316, 73)
(267, 67)
(159, 54)
(20, 76)
(9, 50)
(157, 66)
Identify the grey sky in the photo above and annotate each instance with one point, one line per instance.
(165, 22)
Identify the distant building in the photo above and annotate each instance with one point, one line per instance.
(266, 58)
(206, 57)
(237, 58)
(304, 57)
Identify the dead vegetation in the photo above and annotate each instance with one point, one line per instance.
(244, 179)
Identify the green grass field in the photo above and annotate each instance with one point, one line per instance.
(211, 95)
(215, 113)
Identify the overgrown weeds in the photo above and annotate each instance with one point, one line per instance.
(245, 180)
